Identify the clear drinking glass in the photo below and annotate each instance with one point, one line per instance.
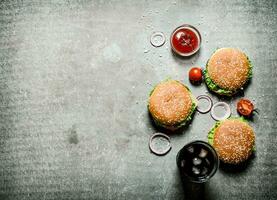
(197, 161)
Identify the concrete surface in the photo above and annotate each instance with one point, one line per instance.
(74, 82)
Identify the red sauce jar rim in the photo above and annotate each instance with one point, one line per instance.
(197, 33)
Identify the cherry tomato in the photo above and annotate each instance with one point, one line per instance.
(195, 74)
(245, 107)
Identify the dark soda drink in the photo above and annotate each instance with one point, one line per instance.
(197, 161)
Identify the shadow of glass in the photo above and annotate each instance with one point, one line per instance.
(193, 191)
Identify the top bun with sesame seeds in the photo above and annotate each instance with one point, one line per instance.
(233, 140)
(227, 71)
(171, 104)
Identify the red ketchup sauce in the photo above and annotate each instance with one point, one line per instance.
(185, 40)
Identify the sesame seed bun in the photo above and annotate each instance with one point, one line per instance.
(229, 69)
(233, 141)
(171, 104)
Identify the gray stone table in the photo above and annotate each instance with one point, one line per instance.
(74, 83)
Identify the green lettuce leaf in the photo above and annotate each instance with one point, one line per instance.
(250, 72)
(212, 132)
(214, 87)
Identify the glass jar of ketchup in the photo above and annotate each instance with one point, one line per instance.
(185, 40)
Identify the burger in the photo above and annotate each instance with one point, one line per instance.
(171, 104)
(233, 139)
(227, 71)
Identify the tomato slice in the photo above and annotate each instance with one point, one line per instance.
(245, 107)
